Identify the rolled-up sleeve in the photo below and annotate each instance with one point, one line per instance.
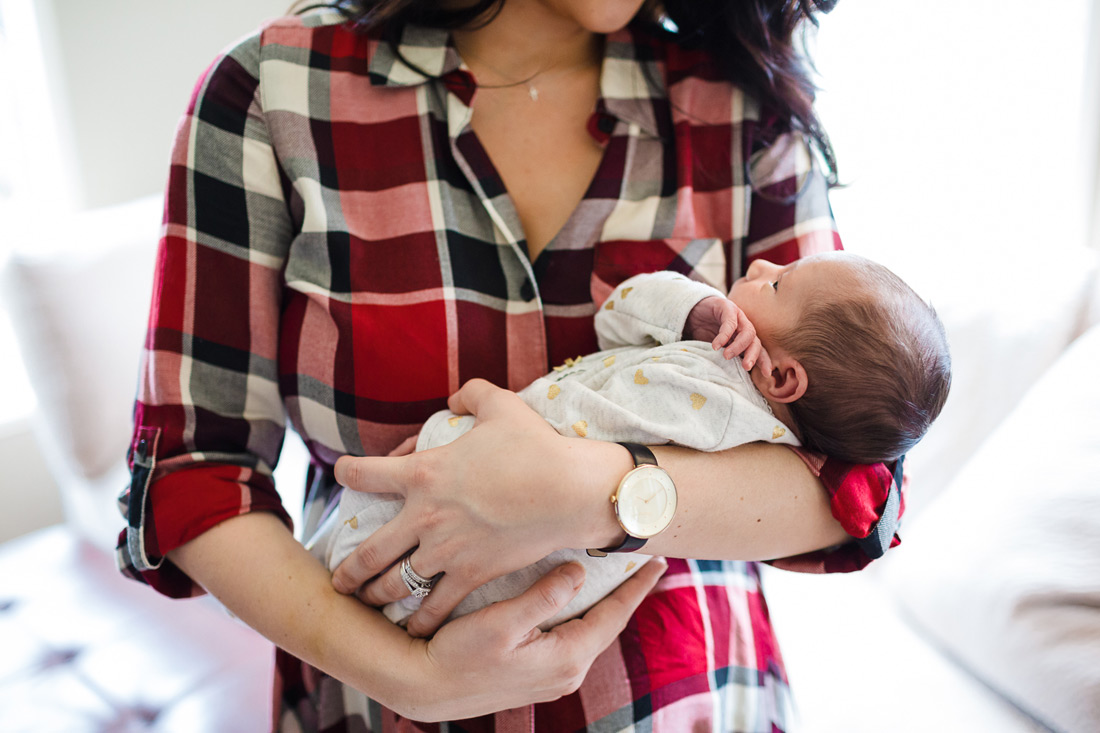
(209, 420)
(790, 218)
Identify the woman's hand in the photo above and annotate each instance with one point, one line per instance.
(502, 496)
(496, 658)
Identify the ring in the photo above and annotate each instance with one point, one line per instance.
(417, 584)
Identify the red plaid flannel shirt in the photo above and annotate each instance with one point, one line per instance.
(339, 251)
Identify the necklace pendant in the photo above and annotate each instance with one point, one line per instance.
(533, 93)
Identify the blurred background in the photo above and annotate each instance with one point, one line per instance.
(968, 141)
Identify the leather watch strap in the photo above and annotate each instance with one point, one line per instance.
(641, 454)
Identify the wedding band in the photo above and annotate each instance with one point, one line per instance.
(417, 584)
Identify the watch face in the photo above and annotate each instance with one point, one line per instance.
(646, 501)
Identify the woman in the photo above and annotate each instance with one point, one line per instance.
(363, 216)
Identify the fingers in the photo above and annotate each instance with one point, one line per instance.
(471, 397)
(373, 555)
(764, 361)
(407, 446)
(752, 353)
(389, 586)
(551, 593)
(725, 333)
(372, 474)
(746, 334)
(437, 607)
(607, 619)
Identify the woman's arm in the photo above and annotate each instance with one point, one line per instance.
(263, 575)
(753, 502)
(463, 517)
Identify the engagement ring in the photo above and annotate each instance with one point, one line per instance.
(417, 584)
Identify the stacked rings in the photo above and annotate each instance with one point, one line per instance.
(417, 584)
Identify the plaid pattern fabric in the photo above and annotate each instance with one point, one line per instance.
(339, 251)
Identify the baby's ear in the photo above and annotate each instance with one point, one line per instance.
(786, 383)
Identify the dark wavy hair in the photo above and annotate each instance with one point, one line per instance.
(757, 44)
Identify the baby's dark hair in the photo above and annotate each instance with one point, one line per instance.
(877, 366)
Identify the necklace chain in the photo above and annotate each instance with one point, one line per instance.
(532, 90)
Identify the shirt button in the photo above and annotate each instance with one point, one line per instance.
(527, 291)
(606, 124)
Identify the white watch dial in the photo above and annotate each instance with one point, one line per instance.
(646, 501)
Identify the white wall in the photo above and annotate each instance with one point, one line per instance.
(121, 75)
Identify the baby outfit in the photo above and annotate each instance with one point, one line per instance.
(645, 386)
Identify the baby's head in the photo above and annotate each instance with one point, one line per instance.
(861, 361)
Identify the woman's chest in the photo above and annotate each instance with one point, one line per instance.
(406, 277)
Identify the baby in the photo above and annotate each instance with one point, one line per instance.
(845, 360)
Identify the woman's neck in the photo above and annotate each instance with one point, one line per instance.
(524, 40)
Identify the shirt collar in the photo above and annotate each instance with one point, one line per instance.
(430, 49)
(628, 83)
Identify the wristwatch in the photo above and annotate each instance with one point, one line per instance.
(644, 501)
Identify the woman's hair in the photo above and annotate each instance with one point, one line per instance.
(757, 44)
(877, 366)
(761, 46)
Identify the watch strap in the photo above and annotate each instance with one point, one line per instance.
(642, 456)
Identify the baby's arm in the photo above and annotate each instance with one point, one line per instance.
(718, 319)
(649, 308)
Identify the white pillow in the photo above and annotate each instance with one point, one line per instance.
(1003, 570)
(79, 292)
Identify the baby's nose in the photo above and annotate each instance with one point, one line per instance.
(757, 268)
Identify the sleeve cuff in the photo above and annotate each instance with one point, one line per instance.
(859, 496)
(180, 506)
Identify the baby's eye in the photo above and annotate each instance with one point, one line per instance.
(775, 285)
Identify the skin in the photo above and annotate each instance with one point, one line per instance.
(542, 150)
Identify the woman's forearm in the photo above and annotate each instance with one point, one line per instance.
(254, 566)
(753, 502)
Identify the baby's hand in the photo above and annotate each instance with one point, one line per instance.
(726, 326)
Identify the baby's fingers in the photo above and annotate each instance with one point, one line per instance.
(725, 332)
(746, 336)
(764, 361)
(751, 354)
